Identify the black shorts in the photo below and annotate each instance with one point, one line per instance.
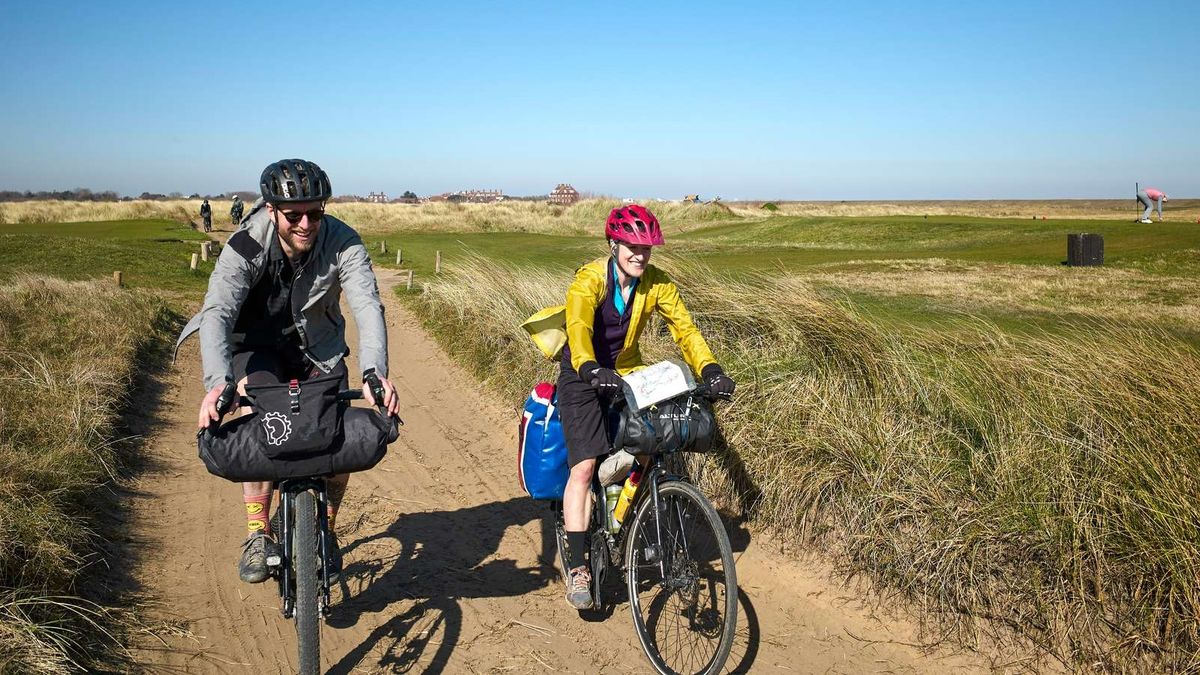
(584, 416)
(283, 365)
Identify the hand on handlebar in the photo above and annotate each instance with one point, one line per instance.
(376, 388)
(218, 401)
(718, 383)
(605, 380)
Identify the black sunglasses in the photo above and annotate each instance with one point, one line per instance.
(313, 215)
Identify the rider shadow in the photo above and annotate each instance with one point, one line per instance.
(444, 556)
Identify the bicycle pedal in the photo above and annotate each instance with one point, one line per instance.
(274, 561)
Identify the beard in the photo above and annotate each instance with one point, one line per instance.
(300, 242)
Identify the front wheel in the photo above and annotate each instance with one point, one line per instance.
(682, 581)
(305, 565)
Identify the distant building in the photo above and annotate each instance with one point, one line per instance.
(564, 195)
(481, 196)
(377, 198)
(691, 199)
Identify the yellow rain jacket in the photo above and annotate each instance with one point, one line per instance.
(655, 292)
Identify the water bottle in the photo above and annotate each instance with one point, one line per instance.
(627, 492)
(612, 493)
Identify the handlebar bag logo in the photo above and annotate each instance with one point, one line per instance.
(298, 418)
(278, 428)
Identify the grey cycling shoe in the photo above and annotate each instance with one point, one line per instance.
(616, 467)
(252, 567)
(579, 587)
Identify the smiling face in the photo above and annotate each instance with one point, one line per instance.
(632, 259)
(298, 225)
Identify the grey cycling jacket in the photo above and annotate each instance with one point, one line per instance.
(338, 260)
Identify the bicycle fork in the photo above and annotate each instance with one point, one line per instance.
(282, 563)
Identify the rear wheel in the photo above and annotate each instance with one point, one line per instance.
(682, 586)
(305, 565)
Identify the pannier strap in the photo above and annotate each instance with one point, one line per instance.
(294, 393)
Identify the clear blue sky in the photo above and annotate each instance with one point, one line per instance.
(849, 100)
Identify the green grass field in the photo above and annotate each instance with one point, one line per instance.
(904, 271)
(149, 253)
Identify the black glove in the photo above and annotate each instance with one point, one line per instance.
(716, 379)
(605, 380)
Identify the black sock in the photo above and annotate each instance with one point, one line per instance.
(577, 547)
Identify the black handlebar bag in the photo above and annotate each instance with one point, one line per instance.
(296, 429)
(297, 419)
(684, 424)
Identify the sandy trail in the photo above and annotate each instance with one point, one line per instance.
(448, 567)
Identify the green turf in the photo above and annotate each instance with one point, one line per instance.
(790, 244)
(793, 243)
(149, 253)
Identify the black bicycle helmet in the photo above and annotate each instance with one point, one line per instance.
(294, 180)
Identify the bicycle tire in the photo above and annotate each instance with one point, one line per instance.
(700, 596)
(305, 566)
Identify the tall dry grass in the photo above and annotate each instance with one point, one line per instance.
(68, 356)
(1046, 483)
(581, 218)
(181, 210)
(508, 216)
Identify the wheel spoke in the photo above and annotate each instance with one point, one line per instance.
(686, 616)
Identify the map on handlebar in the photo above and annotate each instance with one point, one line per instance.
(657, 383)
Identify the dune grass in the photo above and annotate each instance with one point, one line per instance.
(1043, 481)
(69, 352)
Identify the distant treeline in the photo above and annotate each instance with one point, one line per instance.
(86, 195)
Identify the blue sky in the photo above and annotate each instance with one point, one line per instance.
(852, 100)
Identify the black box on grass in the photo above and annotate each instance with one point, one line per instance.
(1084, 250)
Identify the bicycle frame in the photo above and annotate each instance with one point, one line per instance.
(288, 489)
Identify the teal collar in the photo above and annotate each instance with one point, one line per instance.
(618, 297)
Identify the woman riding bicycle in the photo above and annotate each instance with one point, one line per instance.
(607, 308)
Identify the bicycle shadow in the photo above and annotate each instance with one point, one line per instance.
(444, 556)
(447, 556)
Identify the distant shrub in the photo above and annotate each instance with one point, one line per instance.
(770, 206)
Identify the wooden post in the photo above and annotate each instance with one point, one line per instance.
(409, 285)
(117, 278)
(437, 267)
(383, 247)
(204, 251)
(398, 258)
(195, 260)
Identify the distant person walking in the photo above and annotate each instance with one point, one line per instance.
(235, 211)
(1148, 197)
(206, 214)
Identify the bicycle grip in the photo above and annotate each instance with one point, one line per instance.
(226, 399)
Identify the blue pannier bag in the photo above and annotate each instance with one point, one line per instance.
(541, 446)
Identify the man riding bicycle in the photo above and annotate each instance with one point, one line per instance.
(272, 314)
(206, 215)
(607, 307)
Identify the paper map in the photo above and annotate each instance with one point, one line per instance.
(658, 382)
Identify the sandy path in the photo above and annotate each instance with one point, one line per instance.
(447, 565)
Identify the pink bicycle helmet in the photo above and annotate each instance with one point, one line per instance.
(633, 224)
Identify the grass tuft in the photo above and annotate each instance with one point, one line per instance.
(68, 355)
